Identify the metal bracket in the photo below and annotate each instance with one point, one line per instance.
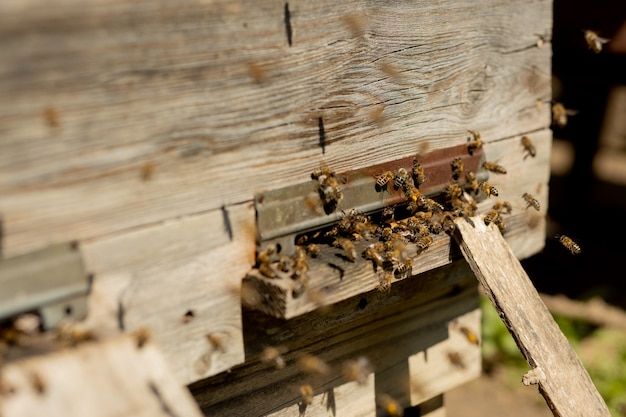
(284, 213)
(52, 281)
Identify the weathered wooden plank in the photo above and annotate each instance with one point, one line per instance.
(385, 328)
(115, 115)
(333, 278)
(347, 400)
(182, 280)
(562, 379)
(450, 363)
(112, 378)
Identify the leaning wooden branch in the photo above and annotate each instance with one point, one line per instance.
(561, 377)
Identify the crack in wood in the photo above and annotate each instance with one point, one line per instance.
(322, 134)
(288, 27)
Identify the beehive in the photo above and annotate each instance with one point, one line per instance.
(146, 132)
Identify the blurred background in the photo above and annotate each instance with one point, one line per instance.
(586, 293)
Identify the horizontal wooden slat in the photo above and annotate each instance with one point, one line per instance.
(182, 280)
(112, 378)
(115, 115)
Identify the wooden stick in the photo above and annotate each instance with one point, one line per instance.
(562, 379)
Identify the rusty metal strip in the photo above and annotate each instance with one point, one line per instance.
(286, 212)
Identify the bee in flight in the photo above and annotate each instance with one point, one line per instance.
(418, 173)
(384, 179)
(594, 41)
(569, 244)
(457, 168)
(488, 189)
(531, 201)
(493, 167)
(529, 147)
(474, 143)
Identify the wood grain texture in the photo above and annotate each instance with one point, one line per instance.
(562, 379)
(386, 329)
(334, 278)
(182, 280)
(116, 115)
(347, 400)
(112, 378)
(451, 362)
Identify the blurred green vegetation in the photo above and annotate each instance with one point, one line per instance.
(602, 351)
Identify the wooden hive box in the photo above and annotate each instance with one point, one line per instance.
(157, 147)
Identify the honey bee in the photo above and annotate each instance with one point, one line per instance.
(394, 250)
(404, 267)
(491, 216)
(387, 215)
(312, 365)
(434, 206)
(401, 179)
(38, 383)
(273, 355)
(493, 167)
(531, 201)
(356, 370)
(447, 222)
(347, 246)
(474, 143)
(488, 189)
(501, 206)
(51, 116)
(306, 391)
(147, 171)
(385, 280)
(435, 227)
(384, 179)
(72, 334)
(418, 173)
(594, 41)
(560, 114)
(300, 267)
(142, 336)
(313, 250)
(217, 342)
(423, 243)
(328, 187)
(499, 221)
(257, 72)
(415, 196)
(457, 168)
(390, 405)
(265, 258)
(285, 263)
(456, 359)
(569, 244)
(300, 284)
(472, 182)
(529, 147)
(453, 190)
(373, 255)
(470, 335)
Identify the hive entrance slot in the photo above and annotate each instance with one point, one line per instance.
(285, 213)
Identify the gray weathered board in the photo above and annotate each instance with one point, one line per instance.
(144, 129)
(555, 368)
(112, 378)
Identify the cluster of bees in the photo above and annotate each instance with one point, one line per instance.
(382, 237)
